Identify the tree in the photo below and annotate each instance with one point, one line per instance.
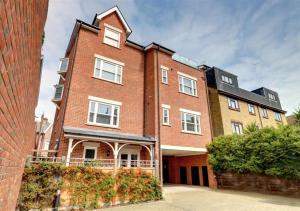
(297, 115)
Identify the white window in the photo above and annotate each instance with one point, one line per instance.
(237, 127)
(264, 112)
(103, 114)
(233, 103)
(89, 153)
(164, 76)
(187, 85)
(190, 122)
(277, 116)
(59, 88)
(108, 70)
(129, 157)
(112, 36)
(227, 79)
(166, 116)
(63, 66)
(272, 96)
(251, 108)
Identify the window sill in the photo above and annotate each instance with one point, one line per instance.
(102, 125)
(192, 133)
(165, 83)
(168, 125)
(234, 109)
(227, 83)
(265, 117)
(188, 94)
(102, 79)
(278, 120)
(253, 114)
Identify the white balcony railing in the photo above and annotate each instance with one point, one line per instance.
(98, 163)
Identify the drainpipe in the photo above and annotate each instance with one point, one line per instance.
(158, 116)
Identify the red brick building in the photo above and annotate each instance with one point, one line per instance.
(122, 104)
(21, 35)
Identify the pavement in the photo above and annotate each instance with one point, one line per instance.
(183, 197)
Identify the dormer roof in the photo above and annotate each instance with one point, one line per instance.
(98, 17)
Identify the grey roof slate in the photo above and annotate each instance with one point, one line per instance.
(105, 134)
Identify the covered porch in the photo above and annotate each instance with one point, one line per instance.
(105, 150)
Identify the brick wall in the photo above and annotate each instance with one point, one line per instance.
(21, 30)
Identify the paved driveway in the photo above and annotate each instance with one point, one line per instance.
(200, 198)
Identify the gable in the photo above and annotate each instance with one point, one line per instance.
(120, 16)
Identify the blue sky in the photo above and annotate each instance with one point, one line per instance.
(257, 40)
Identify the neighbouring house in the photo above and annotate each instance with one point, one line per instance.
(43, 130)
(122, 104)
(21, 37)
(233, 108)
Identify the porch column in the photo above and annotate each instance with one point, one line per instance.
(116, 155)
(69, 151)
(151, 155)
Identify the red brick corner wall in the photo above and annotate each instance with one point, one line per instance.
(21, 29)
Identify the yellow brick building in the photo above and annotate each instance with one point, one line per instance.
(233, 108)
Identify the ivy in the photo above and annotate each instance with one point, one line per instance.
(269, 151)
(86, 187)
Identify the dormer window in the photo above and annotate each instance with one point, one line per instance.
(226, 79)
(112, 36)
(272, 96)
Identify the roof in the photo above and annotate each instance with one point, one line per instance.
(104, 134)
(258, 96)
(117, 10)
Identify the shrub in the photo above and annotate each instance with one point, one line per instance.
(269, 151)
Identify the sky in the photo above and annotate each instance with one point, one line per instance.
(257, 40)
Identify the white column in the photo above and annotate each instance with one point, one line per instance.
(69, 151)
(151, 155)
(116, 155)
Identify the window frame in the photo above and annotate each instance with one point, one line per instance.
(194, 87)
(183, 123)
(104, 102)
(117, 64)
(165, 108)
(249, 106)
(113, 30)
(60, 64)
(226, 79)
(272, 97)
(164, 69)
(279, 115)
(240, 126)
(236, 104)
(90, 147)
(264, 114)
(62, 92)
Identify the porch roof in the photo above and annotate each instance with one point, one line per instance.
(104, 134)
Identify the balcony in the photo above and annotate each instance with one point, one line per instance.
(59, 88)
(63, 66)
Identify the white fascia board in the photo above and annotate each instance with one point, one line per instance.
(98, 99)
(186, 75)
(189, 111)
(115, 9)
(180, 148)
(109, 60)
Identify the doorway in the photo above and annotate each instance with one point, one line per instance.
(195, 175)
(183, 175)
(205, 176)
(165, 171)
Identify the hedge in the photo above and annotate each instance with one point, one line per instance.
(268, 151)
(86, 187)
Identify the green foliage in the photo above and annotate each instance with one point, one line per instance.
(136, 186)
(297, 115)
(269, 151)
(39, 185)
(87, 187)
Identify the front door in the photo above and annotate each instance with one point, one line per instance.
(165, 171)
(195, 175)
(205, 176)
(129, 159)
(183, 176)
